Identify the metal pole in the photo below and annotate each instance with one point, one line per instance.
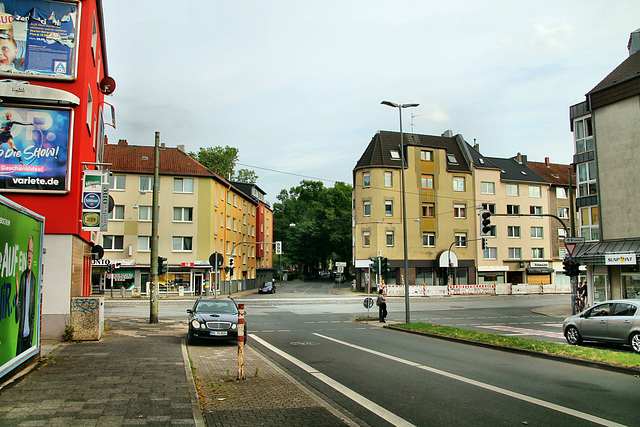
(241, 342)
(404, 226)
(153, 294)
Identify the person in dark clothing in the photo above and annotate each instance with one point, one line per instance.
(381, 302)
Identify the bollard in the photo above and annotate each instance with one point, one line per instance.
(241, 342)
(122, 292)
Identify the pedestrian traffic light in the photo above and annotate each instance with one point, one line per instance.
(484, 243)
(486, 222)
(162, 266)
(384, 265)
(374, 265)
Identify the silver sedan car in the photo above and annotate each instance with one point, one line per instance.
(616, 321)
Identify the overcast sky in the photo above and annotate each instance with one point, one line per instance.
(296, 85)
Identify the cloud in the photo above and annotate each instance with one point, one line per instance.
(551, 40)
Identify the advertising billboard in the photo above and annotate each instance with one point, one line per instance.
(35, 146)
(21, 234)
(38, 38)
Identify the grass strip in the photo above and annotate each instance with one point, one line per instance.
(624, 359)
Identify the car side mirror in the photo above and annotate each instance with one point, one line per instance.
(190, 311)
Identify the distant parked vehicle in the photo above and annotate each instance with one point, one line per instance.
(616, 321)
(267, 288)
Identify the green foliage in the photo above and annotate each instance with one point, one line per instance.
(630, 360)
(247, 176)
(218, 159)
(314, 224)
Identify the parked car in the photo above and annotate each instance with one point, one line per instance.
(616, 321)
(213, 319)
(267, 288)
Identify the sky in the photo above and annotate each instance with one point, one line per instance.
(296, 85)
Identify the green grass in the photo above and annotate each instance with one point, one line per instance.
(624, 359)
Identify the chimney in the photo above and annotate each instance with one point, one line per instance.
(181, 148)
(634, 42)
(476, 146)
(519, 158)
(546, 161)
(162, 146)
(447, 133)
(123, 142)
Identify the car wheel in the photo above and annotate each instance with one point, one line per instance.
(190, 339)
(573, 336)
(635, 342)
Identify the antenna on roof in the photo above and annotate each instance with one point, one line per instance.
(412, 116)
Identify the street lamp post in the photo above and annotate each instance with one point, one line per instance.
(404, 208)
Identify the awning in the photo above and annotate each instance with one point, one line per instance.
(593, 253)
(540, 270)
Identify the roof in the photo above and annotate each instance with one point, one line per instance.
(622, 83)
(554, 173)
(593, 253)
(378, 152)
(140, 159)
(512, 170)
(629, 68)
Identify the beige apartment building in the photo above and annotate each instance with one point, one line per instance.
(200, 213)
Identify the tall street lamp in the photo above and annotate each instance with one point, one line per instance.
(404, 208)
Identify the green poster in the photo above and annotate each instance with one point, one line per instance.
(21, 234)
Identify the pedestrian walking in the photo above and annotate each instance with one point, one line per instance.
(381, 302)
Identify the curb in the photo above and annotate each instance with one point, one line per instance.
(589, 363)
(198, 418)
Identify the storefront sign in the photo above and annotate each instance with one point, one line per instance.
(620, 259)
(539, 264)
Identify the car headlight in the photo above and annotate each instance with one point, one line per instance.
(234, 326)
(195, 324)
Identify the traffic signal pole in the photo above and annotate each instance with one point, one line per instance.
(153, 292)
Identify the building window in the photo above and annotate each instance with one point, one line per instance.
(144, 213)
(451, 158)
(562, 253)
(535, 210)
(429, 240)
(146, 183)
(491, 207)
(537, 253)
(390, 238)
(515, 253)
(366, 239)
(388, 179)
(367, 207)
(563, 213)
(589, 223)
(183, 185)
(488, 187)
(461, 240)
(182, 243)
(536, 232)
(429, 210)
(144, 243)
(426, 155)
(535, 191)
(513, 190)
(117, 182)
(458, 183)
(395, 154)
(182, 214)
(513, 209)
(513, 231)
(427, 182)
(583, 135)
(388, 207)
(561, 233)
(562, 193)
(89, 110)
(112, 243)
(587, 179)
(117, 214)
(459, 211)
(490, 253)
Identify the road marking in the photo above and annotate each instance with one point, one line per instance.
(359, 399)
(524, 331)
(520, 396)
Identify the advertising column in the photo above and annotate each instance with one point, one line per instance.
(21, 235)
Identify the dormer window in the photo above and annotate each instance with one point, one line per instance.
(481, 160)
(452, 159)
(395, 154)
(523, 172)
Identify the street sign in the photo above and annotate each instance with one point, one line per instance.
(341, 264)
(216, 259)
(571, 247)
(340, 269)
(368, 302)
(573, 240)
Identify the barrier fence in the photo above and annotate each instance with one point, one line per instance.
(498, 289)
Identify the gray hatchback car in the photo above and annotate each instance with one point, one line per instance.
(616, 321)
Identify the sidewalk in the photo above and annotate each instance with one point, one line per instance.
(139, 374)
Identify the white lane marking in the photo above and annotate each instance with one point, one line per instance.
(359, 399)
(524, 331)
(520, 396)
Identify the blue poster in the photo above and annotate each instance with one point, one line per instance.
(34, 149)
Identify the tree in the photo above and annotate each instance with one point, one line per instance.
(314, 224)
(247, 176)
(218, 159)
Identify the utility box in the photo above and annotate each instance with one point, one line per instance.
(87, 318)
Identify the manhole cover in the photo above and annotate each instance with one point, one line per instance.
(304, 343)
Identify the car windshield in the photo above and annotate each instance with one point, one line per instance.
(216, 306)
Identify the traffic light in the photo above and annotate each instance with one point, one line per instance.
(484, 243)
(162, 267)
(571, 267)
(565, 263)
(374, 265)
(384, 265)
(486, 222)
(575, 268)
